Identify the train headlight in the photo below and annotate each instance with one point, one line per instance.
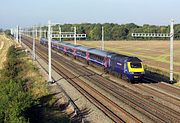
(131, 72)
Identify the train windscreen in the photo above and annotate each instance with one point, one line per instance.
(136, 65)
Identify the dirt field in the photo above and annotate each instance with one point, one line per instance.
(153, 53)
(5, 43)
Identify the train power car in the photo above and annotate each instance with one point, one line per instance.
(127, 67)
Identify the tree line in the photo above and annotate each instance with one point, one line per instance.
(114, 31)
(118, 32)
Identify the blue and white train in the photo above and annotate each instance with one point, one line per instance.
(127, 67)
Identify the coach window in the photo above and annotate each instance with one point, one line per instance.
(83, 53)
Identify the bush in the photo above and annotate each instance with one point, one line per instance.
(14, 101)
(12, 67)
(14, 98)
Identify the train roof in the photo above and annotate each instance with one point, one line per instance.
(44, 39)
(120, 55)
(133, 59)
(127, 58)
(83, 48)
(69, 45)
(54, 41)
(99, 52)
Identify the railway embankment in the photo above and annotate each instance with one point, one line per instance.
(25, 95)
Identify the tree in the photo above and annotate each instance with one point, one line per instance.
(95, 33)
(108, 31)
(7, 32)
(177, 31)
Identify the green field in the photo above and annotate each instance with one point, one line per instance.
(153, 53)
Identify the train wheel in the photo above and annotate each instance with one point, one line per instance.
(120, 76)
(87, 62)
(105, 70)
(124, 77)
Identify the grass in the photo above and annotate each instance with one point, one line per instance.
(177, 84)
(36, 81)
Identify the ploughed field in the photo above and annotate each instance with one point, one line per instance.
(153, 53)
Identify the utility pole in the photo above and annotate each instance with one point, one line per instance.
(29, 33)
(11, 31)
(36, 32)
(17, 33)
(44, 33)
(40, 35)
(171, 50)
(20, 31)
(102, 42)
(49, 49)
(33, 35)
(163, 35)
(60, 33)
(75, 35)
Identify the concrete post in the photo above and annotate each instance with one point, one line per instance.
(102, 44)
(33, 35)
(17, 33)
(60, 33)
(75, 35)
(171, 50)
(49, 49)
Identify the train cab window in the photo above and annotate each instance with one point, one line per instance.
(136, 65)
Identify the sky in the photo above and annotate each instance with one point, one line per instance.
(30, 12)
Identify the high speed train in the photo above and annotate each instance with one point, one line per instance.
(129, 68)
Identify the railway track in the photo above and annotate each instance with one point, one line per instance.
(153, 110)
(167, 88)
(112, 110)
(170, 90)
(162, 85)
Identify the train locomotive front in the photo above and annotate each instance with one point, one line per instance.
(129, 68)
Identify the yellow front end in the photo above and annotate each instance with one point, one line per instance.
(135, 70)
